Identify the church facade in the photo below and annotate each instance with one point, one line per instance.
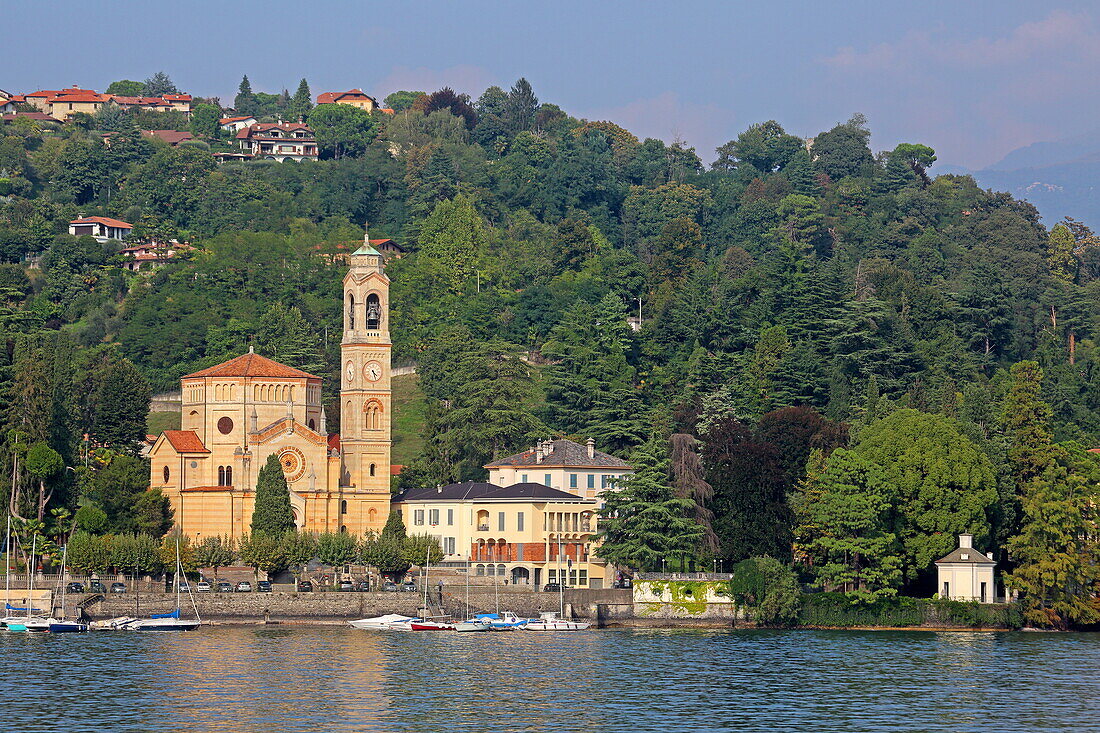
(238, 413)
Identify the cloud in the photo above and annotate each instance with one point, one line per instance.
(667, 117)
(979, 96)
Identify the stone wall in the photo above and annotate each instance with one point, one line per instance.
(339, 607)
(683, 600)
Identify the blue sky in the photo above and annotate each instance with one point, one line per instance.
(974, 80)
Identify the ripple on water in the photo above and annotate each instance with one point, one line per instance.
(333, 679)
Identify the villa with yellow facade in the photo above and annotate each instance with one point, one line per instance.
(238, 413)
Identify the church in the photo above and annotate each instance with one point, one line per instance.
(238, 413)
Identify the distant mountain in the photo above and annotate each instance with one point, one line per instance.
(1061, 178)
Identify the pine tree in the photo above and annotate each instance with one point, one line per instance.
(847, 524)
(800, 174)
(271, 513)
(520, 109)
(245, 101)
(301, 103)
(1025, 419)
(1056, 551)
(642, 521)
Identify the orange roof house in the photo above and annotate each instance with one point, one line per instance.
(354, 97)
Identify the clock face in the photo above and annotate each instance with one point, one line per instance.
(350, 372)
(373, 371)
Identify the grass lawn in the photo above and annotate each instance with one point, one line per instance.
(408, 418)
(157, 422)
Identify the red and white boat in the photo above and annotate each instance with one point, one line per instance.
(429, 625)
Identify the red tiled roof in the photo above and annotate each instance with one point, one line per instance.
(78, 96)
(172, 137)
(262, 127)
(395, 469)
(177, 97)
(333, 97)
(227, 120)
(334, 441)
(105, 220)
(185, 441)
(252, 365)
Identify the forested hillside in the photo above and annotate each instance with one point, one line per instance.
(803, 303)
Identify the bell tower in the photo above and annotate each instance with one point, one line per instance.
(365, 414)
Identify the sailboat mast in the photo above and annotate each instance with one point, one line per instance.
(33, 570)
(179, 569)
(7, 566)
(61, 578)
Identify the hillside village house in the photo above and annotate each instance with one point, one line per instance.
(354, 97)
(103, 228)
(525, 534)
(151, 255)
(561, 464)
(236, 124)
(238, 413)
(64, 103)
(279, 141)
(172, 137)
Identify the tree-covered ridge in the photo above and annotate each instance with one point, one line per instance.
(806, 313)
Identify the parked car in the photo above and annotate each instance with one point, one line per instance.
(263, 586)
(362, 586)
(345, 585)
(244, 587)
(552, 588)
(118, 587)
(225, 586)
(408, 586)
(305, 586)
(185, 586)
(202, 586)
(390, 587)
(97, 587)
(74, 588)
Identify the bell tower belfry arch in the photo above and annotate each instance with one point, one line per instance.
(365, 396)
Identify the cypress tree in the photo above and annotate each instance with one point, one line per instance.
(271, 514)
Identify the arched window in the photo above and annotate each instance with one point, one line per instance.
(500, 570)
(343, 529)
(351, 312)
(312, 424)
(167, 474)
(221, 475)
(372, 469)
(374, 312)
(343, 506)
(228, 476)
(490, 569)
(349, 418)
(372, 415)
(479, 570)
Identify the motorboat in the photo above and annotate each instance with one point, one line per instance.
(429, 625)
(505, 621)
(388, 622)
(550, 621)
(37, 624)
(67, 627)
(474, 624)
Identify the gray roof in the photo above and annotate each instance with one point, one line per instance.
(972, 556)
(565, 453)
(476, 491)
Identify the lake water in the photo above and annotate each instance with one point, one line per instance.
(335, 679)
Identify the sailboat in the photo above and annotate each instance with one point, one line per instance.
(62, 625)
(552, 620)
(170, 621)
(8, 618)
(28, 622)
(426, 623)
(472, 623)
